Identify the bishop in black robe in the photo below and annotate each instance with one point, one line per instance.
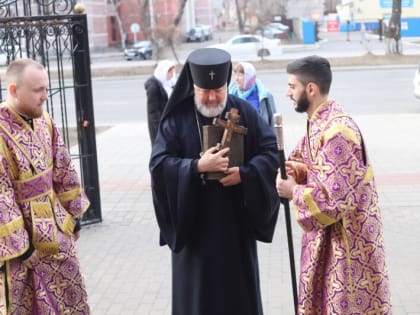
(213, 230)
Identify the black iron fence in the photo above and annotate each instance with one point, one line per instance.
(49, 33)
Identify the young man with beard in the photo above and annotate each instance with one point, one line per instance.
(331, 184)
(212, 227)
(41, 203)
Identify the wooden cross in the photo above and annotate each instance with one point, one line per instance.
(231, 126)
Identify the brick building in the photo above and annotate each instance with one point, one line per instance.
(103, 18)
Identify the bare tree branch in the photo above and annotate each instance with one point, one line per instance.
(177, 20)
(160, 35)
(116, 5)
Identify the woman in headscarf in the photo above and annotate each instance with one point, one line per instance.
(158, 89)
(247, 87)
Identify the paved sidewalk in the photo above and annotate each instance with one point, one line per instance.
(127, 272)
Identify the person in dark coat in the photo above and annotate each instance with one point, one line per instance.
(212, 226)
(159, 87)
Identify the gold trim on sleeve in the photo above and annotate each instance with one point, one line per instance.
(12, 226)
(314, 210)
(69, 195)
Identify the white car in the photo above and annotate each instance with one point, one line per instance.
(416, 83)
(243, 46)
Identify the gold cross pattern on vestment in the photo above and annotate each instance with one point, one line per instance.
(231, 126)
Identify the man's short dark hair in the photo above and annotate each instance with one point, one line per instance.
(313, 69)
(16, 68)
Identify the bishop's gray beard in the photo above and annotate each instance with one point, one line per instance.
(210, 112)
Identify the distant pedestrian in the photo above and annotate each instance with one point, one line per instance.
(158, 89)
(362, 33)
(363, 36)
(247, 87)
(331, 183)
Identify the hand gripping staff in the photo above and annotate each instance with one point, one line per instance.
(278, 125)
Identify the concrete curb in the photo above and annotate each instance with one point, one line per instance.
(131, 68)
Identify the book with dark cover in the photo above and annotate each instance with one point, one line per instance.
(212, 135)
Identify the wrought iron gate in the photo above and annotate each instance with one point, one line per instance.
(49, 32)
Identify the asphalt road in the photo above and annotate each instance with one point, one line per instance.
(360, 90)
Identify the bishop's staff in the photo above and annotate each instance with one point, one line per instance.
(278, 125)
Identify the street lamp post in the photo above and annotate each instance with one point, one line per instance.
(380, 29)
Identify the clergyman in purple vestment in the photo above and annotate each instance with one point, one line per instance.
(41, 202)
(332, 188)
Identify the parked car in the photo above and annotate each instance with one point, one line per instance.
(416, 83)
(283, 28)
(141, 50)
(269, 32)
(280, 26)
(196, 34)
(207, 31)
(248, 45)
(274, 30)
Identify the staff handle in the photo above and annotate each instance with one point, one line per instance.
(278, 125)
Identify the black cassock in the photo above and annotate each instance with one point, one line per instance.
(212, 230)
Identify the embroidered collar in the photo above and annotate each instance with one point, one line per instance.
(319, 110)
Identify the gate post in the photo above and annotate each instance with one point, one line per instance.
(85, 118)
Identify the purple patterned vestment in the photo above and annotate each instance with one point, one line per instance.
(343, 269)
(40, 200)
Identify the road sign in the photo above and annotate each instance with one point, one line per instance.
(135, 28)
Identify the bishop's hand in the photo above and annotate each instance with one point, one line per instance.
(233, 177)
(213, 161)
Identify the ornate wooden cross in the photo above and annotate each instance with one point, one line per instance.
(230, 125)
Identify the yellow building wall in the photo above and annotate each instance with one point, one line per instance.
(370, 10)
